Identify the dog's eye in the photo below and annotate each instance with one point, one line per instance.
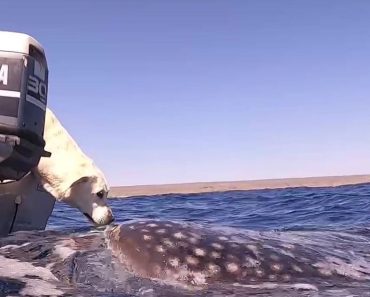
(100, 194)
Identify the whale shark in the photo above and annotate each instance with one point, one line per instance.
(181, 253)
(169, 258)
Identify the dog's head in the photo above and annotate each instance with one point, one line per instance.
(71, 176)
(89, 195)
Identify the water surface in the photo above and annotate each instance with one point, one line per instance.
(332, 221)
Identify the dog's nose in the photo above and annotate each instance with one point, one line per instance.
(110, 217)
(102, 216)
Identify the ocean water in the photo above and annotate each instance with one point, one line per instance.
(70, 258)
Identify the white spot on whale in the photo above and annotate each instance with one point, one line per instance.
(147, 237)
(192, 260)
(161, 231)
(276, 267)
(213, 268)
(253, 249)
(197, 278)
(232, 267)
(179, 235)
(286, 277)
(217, 246)
(199, 252)
(159, 249)
(325, 272)
(193, 240)
(223, 238)
(272, 277)
(168, 242)
(250, 262)
(174, 262)
(152, 225)
(215, 255)
(260, 272)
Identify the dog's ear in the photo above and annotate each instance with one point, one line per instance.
(83, 179)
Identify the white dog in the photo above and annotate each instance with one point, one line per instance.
(71, 176)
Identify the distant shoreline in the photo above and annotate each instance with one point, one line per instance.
(205, 187)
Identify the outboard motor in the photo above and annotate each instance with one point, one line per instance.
(23, 100)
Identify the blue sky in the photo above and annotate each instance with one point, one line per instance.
(184, 91)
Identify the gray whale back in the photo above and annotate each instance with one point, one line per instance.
(177, 252)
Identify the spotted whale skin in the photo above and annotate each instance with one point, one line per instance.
(177, 252)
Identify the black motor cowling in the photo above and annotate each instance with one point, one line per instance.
(23, 101)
